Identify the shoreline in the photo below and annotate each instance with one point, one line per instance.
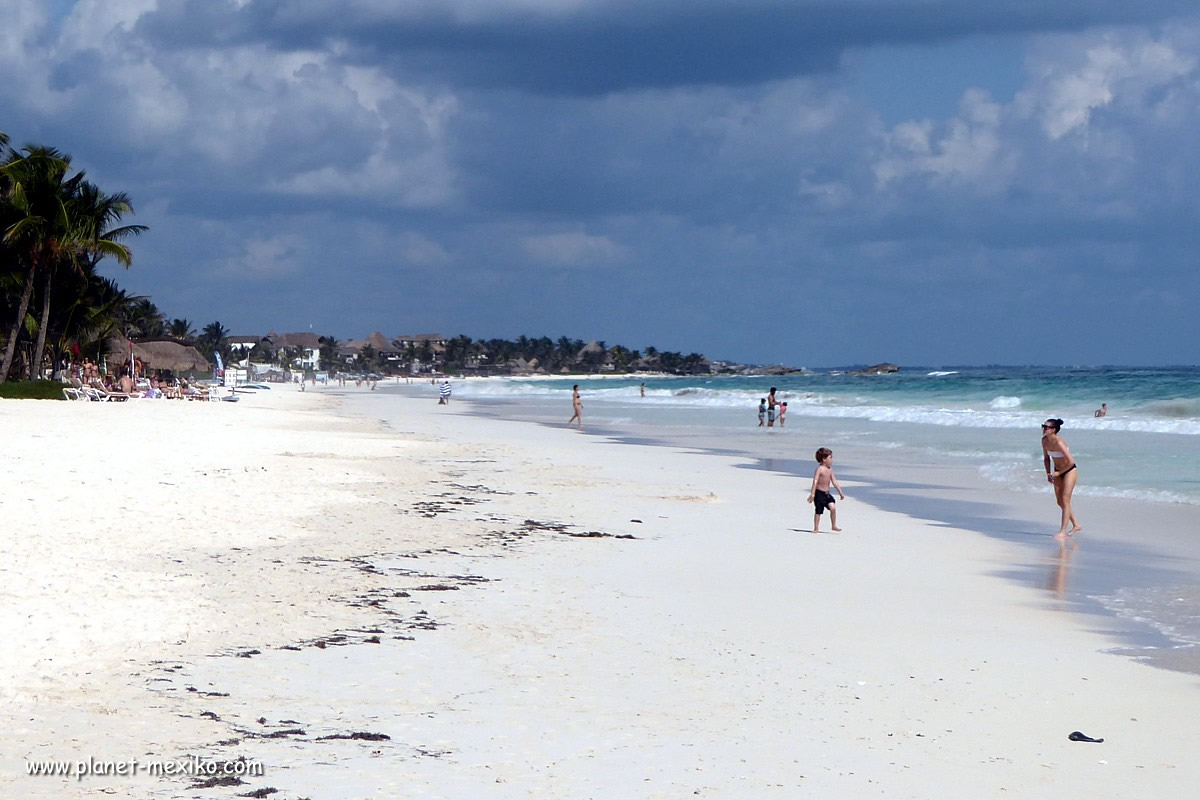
(923, 488)
(718, 653)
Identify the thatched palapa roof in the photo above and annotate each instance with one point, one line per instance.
(159, 355)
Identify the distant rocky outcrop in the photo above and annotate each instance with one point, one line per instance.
(727, 368)
(877, 369)
(780, 370)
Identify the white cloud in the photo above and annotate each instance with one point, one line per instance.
(968, 149)
(265, 258)
(1073, 82)
(1097, 102)
(423, 251)
(572, 249)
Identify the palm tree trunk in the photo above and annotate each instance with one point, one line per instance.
(35, 368)
(11, 349)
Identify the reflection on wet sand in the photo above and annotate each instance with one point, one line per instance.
(1056, 581)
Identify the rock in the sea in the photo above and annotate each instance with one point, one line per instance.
(877, 369)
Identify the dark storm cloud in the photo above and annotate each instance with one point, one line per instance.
(601, 47)
(465, 166)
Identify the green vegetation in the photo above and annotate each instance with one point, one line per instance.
(31, 390)
(563, 355)
(55, 228)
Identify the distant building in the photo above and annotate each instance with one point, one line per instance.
(241, 345)
(308, 343)
(436, 340)
(388, 351)
(594, 355)
(417, 341)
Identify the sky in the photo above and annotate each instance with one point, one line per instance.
(810, 182)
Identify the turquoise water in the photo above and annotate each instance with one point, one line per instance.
(1148, 447)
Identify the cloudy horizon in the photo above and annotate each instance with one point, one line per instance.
(810, 182)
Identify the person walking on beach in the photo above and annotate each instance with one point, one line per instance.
(771, 403)
(762, 412)
(444, 394)
(643, 390)
(577, 405)
(1061, 474)
(819, 495)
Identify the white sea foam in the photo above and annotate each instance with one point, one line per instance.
(1173, 611)
(1003, 411)
(1155, 495)
(1019, 476)
(993, 455)
(937, 373)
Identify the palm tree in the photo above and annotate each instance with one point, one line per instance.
(214, 339)
(143, 319)
(457, 351)
(181, 329)
(368, 357)
(92, 215)
(104, 309)
(693, 363)
(328, 354)
(34, 201)
(670, 361)
(289, 355)
(261, 353)
(620, 357)
(60, 220)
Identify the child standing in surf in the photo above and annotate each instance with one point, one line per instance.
(819, 495)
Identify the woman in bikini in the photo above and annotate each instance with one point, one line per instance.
(577, 404)
(1061, 473)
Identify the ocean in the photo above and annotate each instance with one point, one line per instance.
(1147, 447)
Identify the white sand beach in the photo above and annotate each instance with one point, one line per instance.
(456, 601)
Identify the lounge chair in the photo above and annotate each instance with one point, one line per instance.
(70, 393)
(102, 396)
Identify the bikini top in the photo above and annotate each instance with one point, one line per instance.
(1054, 454)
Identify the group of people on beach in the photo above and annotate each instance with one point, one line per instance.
(1061, 473)
(1061, 469)
(86, 375)
(769, 408)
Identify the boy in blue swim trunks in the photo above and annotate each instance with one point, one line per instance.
(819, 495)
(762, 412)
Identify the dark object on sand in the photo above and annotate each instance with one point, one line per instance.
(1076, 736)
(359, 735)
